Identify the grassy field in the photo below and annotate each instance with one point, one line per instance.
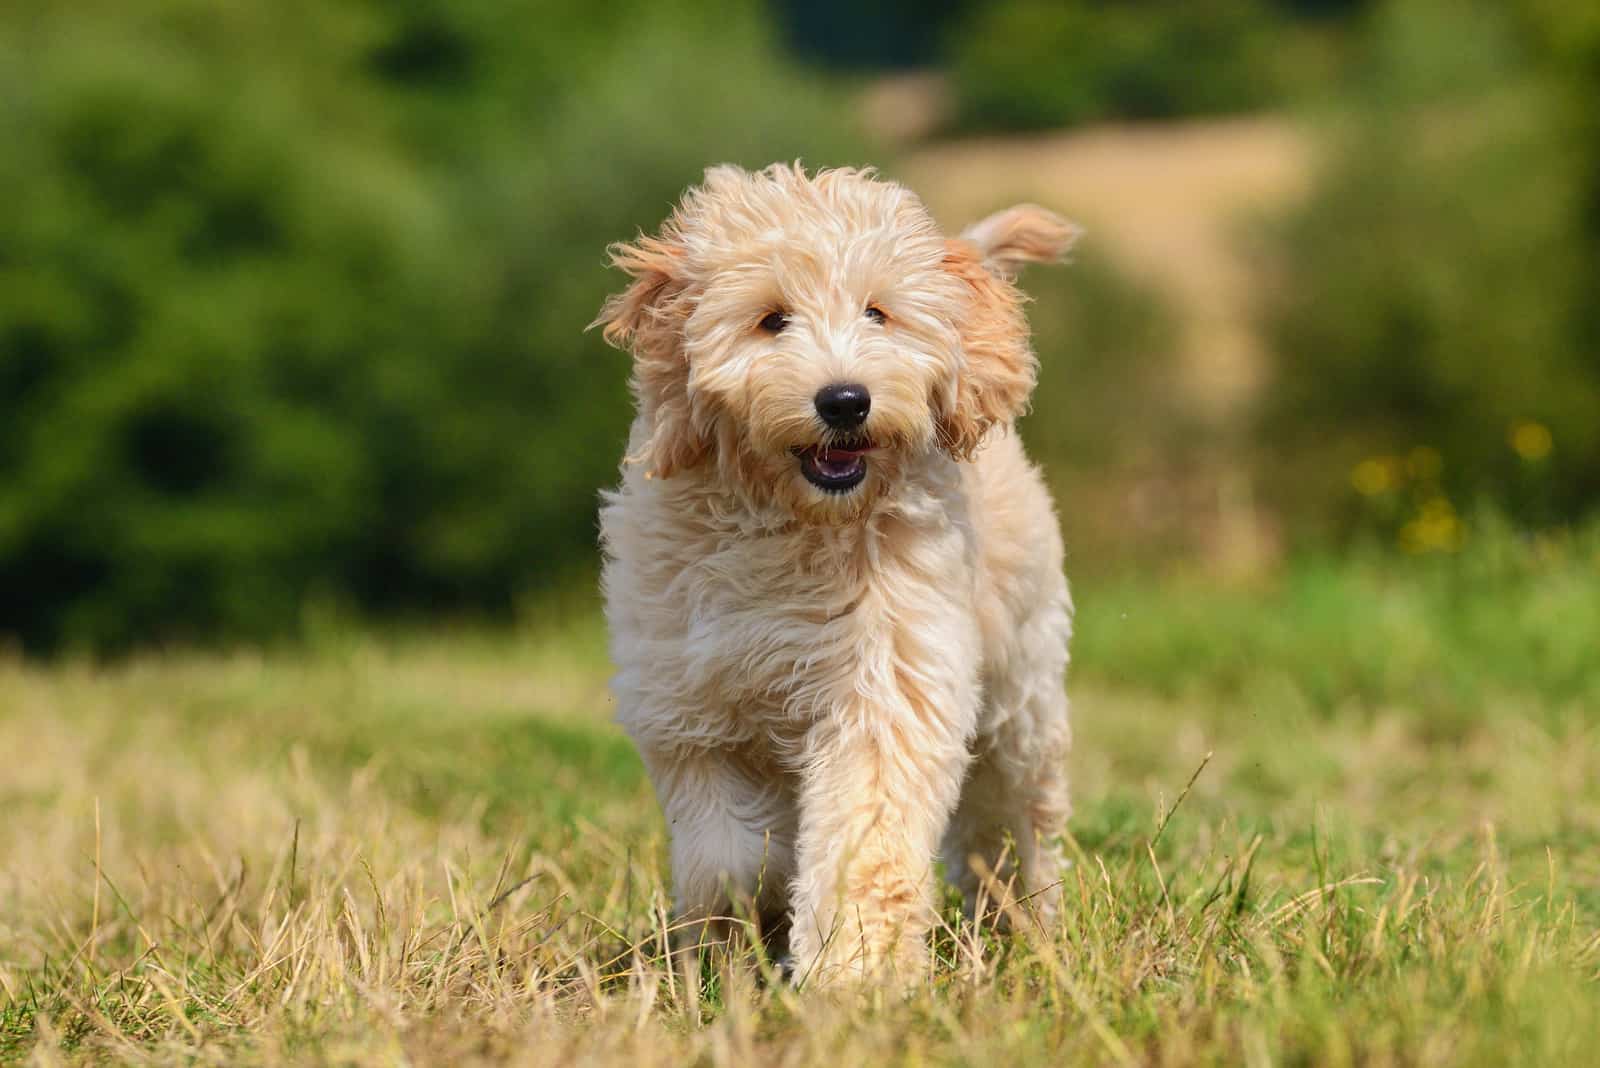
(434, 849)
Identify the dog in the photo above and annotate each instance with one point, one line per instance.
(832, 579)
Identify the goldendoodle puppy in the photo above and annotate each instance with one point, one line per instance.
(832, 578)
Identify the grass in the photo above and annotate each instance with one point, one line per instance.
(434, 849)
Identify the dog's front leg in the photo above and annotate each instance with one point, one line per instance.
(878, 784)
(731, 837)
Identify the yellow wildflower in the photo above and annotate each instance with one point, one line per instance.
(1373, 476)
(1531, 441)
(1435, 528)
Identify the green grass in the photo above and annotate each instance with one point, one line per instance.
(435, 848)
(1436, 638)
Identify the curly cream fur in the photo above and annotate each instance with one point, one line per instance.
(830, 691)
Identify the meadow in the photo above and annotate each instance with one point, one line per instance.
(306, 753)
(1346, 815)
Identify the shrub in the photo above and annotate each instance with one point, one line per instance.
(1023, 64)
(292, 293)
(1106, 421)
(1428, 303)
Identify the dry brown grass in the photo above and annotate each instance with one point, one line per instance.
(423, 852)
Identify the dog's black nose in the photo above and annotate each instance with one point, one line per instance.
(843, 406)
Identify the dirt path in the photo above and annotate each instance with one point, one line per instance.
(1166, 199)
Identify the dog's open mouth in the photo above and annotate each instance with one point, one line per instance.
(836, 468)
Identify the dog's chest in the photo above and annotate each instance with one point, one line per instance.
(783, 625)
(772, 617)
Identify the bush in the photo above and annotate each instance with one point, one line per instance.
(292, 293)
(1107, 423)
(1024, 64)
(1429, 303)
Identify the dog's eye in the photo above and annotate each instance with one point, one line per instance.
(774, 322)
(876, 314)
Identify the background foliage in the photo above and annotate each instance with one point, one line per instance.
(292, 294)
(1433, 304)
(1024, 64)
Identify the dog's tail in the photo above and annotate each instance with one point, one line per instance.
(1021, 235)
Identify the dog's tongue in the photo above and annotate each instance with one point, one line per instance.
(836, 463)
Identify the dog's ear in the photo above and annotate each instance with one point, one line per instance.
(1021, 235)
(647, 319)
(999, 369)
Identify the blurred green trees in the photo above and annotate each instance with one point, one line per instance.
(292, 293)
(1025, 64)
(1433, 307)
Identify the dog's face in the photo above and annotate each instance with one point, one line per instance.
(811, 335)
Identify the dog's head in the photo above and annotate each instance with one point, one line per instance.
(812, 334)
